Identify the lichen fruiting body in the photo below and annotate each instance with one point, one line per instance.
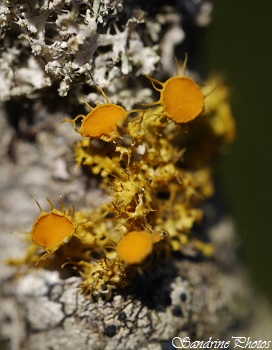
(180, 97)
(102, 121)
(53, 229)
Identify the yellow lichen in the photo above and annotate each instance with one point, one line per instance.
(157, 171)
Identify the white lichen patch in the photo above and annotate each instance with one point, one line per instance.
(69, 44)
(4, 14)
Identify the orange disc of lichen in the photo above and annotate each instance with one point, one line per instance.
(182, 99)
(135, 247)
(50, 230)
(102, 120)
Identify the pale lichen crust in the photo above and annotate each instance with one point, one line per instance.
(68, 45)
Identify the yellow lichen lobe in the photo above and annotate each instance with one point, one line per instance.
(135, 247)
(218, 107)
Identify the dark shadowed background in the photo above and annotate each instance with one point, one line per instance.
(240, 45)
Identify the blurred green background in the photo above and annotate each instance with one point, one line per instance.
(240, 45)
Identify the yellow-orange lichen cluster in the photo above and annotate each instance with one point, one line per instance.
(156, 165)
